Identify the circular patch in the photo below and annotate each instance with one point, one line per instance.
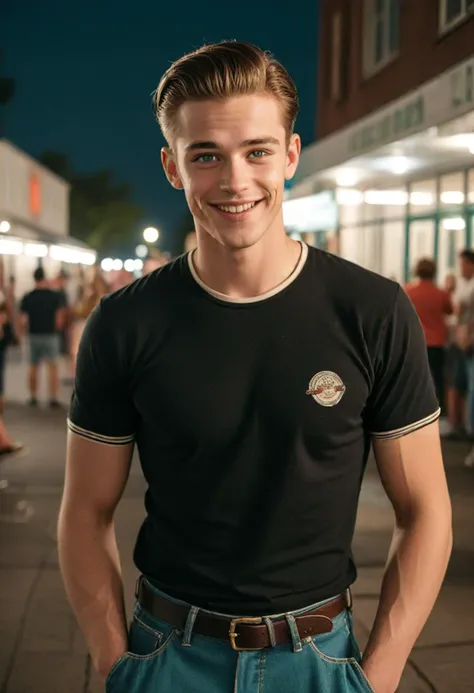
(326, 388)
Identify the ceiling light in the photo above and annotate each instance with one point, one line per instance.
(346, 179)
(348, 197)
(452, 197)
(386, 197)
(399, 165)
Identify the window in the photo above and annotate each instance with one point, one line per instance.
(336, 56)
(382, 33)
(339, 59)
(454, 11)
(452, 190)
(423, 197)
(470, 186)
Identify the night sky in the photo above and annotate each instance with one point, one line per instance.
(85, 72)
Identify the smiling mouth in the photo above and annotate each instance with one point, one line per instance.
(237, 209)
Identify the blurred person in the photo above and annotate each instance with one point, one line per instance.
(88, 297)
(61, 283)
(450, 283)
(8, 446)
(433, 306)
(7, 338)
(42, 316)
(457, 376)
(253, 374)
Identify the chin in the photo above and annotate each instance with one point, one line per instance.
(239, 240)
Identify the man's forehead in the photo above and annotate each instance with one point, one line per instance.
(237, 119)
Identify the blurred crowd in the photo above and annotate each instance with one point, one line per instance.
(49, 321)
(447, 316)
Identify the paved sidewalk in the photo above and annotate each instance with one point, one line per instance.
(41, 650)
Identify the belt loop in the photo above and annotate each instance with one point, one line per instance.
(188, 629)
(295, 636)
(349, 600)
(271, 631)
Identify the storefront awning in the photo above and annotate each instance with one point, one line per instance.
(431, 128)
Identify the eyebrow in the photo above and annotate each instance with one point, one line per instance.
(259, 142)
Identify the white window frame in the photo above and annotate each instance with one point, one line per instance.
(467, 10)
(370, 65)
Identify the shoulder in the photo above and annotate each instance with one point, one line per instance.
(151, 292)
(357, 289)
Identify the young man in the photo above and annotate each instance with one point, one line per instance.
(253, 375)
(42, 315)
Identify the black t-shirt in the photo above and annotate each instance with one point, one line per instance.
(41, 306)
(253, 421)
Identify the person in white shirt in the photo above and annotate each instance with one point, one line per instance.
(457, 369)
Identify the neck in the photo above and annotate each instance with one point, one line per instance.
(247, 272)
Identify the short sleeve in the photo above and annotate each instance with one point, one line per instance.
(403, 397)
(101, 407)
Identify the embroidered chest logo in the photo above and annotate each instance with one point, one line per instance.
(326, 388)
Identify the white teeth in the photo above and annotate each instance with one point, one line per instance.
(236, 210)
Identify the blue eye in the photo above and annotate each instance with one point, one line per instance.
(205, 158)
(258, 153)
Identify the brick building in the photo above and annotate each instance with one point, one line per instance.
(393, 166)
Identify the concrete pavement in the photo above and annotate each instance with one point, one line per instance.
(41, 649)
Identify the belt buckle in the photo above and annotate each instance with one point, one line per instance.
(233, 635)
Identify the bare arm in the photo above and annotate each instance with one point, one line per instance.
(22, 324)
(60, 319)
(96, 475)
(412, 472)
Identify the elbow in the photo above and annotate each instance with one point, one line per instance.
(76, 518)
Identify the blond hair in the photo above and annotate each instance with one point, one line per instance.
(221, 71)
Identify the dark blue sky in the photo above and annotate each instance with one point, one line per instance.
(85, 72)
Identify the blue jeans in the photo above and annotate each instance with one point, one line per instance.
(163, 660)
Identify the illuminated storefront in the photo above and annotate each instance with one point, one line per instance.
(34, 221)
(402, 179)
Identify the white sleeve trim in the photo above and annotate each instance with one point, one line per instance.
(98, 437)
(399, 432)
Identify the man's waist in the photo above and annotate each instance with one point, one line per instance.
(242, 632)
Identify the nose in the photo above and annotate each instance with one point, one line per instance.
(235, 176)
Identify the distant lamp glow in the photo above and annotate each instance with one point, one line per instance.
(117, 265)
(107, 264)
(4, 226)
(133, 265)
(141, 250)
(151, 234)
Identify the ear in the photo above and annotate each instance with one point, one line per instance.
(292, 156)
(170, 167)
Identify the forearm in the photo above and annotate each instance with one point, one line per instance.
(90, 567)
(416, 566)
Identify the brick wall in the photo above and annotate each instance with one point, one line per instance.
(423, 55)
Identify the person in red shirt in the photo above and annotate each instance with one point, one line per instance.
(433, 306)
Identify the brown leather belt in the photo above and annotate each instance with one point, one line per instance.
(244, 634)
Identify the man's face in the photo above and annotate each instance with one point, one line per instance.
(467, 268)
(231, 158)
